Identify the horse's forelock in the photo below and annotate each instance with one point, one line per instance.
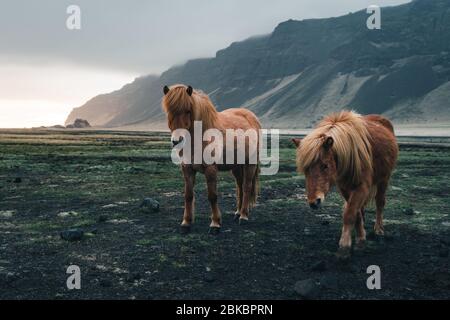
(177, 100)
(351, 145)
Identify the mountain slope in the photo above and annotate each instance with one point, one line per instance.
(305, 69)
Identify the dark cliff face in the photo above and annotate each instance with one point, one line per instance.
(305, 69)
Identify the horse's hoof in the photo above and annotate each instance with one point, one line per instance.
(344, 254)
(378, 238)
(360, 246)
(185, 229)
(236, 217)
(243, 222)
(214, 230)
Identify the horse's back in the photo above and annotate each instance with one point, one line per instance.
(381, 120)
(384, 145)
(240, 118)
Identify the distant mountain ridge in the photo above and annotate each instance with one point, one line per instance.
(305, 69)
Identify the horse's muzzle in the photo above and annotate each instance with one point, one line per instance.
(316, 204)
(177, 142)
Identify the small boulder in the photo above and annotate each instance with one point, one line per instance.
(72, 235)
(105, 283)
(329, 282)
(79, 124)
(307, 289)
(319, 266)
(408, 212)
(443, 252)
(66, 214)
(209, 277)
(102, 218)
(6, 278)
(149, 205)
(132, 277)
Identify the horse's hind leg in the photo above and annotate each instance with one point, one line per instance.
(211, 181)
(380, 200)
(238, 175)
(359, 226)
(247, 187)
(189, 182)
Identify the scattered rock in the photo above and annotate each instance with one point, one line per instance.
(102, 218)
(89, 235)
(57, 126)
(6, 278)
(7, 213)
(391, 236)
(72, 235)
(409, 212)
(67, 214)
(443, 252)
(105, 283)
(109, 206)
(132, 277)
(329, 282)
(149, 205)
(209, 276)
(445, 241)
(79, 124)
(18, 180)
(319, 266)
(307, 231)
(307, 289)
(119, 221)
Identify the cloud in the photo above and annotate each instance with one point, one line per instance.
(145, 36)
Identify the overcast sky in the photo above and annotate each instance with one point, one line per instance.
(46, 69)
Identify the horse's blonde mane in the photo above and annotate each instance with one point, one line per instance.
(352, 147)
(177, 100)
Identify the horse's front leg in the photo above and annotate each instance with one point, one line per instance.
(189, 182)
(352, 211)
(247, 187)
(211, 181)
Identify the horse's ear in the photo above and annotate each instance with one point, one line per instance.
(166, 90)
(297, 142)
(189, 90)
(328, 143)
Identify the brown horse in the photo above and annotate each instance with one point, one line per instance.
(184, 106)
(356, 153)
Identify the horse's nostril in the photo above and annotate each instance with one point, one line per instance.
(315, 205)
(175, 142)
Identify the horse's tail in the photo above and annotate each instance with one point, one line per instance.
(255, 187)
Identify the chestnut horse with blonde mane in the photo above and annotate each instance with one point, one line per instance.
(183, 106)
(356, 153)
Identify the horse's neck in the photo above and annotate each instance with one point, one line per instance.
(210, 118)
